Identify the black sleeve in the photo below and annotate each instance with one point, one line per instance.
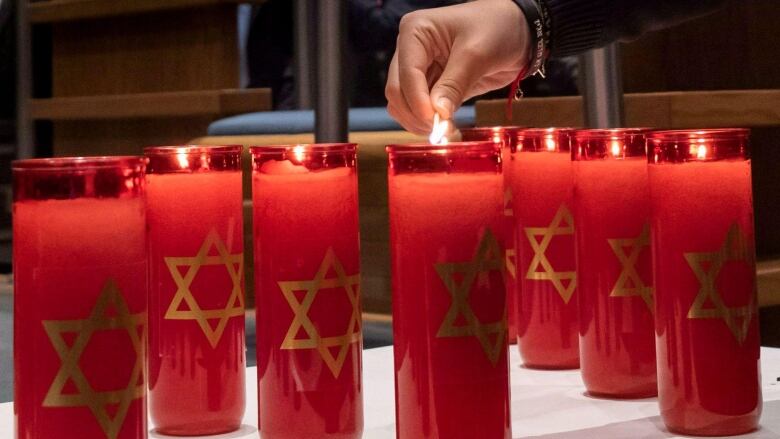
(373, 25)
(580, 25)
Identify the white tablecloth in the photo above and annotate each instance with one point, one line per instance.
(545, 404)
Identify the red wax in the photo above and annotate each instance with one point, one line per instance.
(307, 280)
(614, 278)
(80, 299)
(707, 334)
(449, 303)
(547, 312)
(505, 137)
(196, 304)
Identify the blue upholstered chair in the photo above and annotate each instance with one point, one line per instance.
(302, 121)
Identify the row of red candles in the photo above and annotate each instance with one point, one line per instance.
(85, 231)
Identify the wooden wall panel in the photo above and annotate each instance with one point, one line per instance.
(96, 137)
(189, 49)
(733, 48)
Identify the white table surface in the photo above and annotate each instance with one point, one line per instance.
(545, 405)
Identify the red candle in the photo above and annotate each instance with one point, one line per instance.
(449, 300)
(307, 283)
(707, 339)
(614, 271)
(505, 137)
(80, 298)
(547, 319)
(196, 297)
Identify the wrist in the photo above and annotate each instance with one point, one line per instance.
(538, 29)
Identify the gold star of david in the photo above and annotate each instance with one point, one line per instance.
(707, 266)
(351, 286)
(562, 224)
(511, 253)
(99, 319)
(629, 283)
(234, 307)
(487, 258)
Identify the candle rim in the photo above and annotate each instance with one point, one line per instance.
(192, 149)
(307, 147)
(451, 147)
(492, 129)
(538, 132)
(530, 140)
(601, 133)
(698, 133)
(77, 163)
(593, 144)
(677, 146)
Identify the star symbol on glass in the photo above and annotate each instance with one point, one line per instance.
(109, 313)
(234, 307)
(629, 283)
(487, 258)
(707, 266)
(561, 224)
(350, 284)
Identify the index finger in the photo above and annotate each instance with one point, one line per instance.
(415, 57)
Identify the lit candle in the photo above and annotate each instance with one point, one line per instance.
(707, 339)
(80, 298)
(196, 301)
(307, 284)
(542, 187)
(449, 299)
(505, 137)
(614, 272)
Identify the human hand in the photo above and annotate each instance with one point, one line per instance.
(447, 55)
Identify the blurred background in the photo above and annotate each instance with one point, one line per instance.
(93, 77)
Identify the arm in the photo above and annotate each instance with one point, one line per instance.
(581, 25)
(447, 55)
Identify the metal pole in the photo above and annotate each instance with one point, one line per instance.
(602, 89)
(25, 136)
(304, 23)
(330, 115)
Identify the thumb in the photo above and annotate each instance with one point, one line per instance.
(462, 71)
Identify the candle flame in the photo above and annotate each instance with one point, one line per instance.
(701, 149)
(701, 152)
(298, 153)
(181, 157)
(616, 148)
(496, 135)
(550, 143)
(439, 132)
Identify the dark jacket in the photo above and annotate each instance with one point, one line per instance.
(580, 25)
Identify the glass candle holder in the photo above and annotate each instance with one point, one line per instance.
(547, 305)
(80, 269)
(707, 339)
(614, 270)
(307, 283)
(196, 297)
(449, 299)
(506, 138)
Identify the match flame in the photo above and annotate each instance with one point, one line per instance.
(439, 132)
